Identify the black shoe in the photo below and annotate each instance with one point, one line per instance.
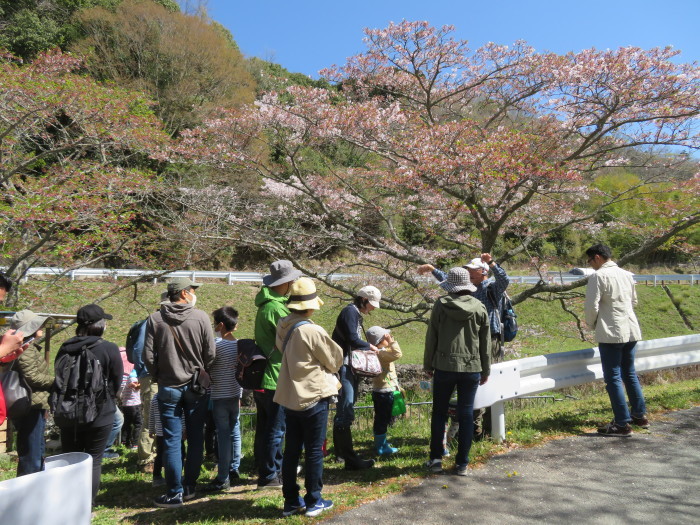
(217, 486)
(189, 493)
(233, 477)
(270, 483)
(641, 422)
(613, 429)
(167, 502)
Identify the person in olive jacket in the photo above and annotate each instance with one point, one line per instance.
(457, 355)
(34, 369)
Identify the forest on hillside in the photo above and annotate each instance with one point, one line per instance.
(134, 133)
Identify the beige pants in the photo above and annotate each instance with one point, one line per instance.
(147, 445)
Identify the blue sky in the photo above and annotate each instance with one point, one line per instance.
(307, 35)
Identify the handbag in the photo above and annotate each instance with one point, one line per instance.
(365, 363)
(18, 394)
(399, 405)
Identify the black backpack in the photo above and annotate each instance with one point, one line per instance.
(507, 316)
(135, 337)
(80, 387)
(250, 365)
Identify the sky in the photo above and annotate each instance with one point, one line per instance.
(306, 36)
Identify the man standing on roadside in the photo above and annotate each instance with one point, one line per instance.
(609, 309)
(270, 426)
(490, 293)
(179, 346)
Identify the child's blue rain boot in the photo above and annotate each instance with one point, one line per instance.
(383, 448)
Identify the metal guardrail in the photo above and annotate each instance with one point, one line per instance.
(531, 375)
(231, 277)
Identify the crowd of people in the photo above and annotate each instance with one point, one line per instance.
(179, 374)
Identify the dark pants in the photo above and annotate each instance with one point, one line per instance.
(306, 429)
(345, 408)
(30, 442)
(91, 441)
(132, 425)
(444, 383)
(269, 460)
(383, 402)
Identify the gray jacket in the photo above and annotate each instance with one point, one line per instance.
(172, 363)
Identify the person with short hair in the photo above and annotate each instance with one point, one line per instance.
(349, 333)
(609, 309)
(305, 388)
(92, 437)
(180, 346)
(457, 356)
(225, 396)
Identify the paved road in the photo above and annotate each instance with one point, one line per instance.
(651, 477)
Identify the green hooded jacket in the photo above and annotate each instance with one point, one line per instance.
(459, 337)
(271, 308)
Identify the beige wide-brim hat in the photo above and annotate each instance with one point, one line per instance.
(303, 296)
(27, 322)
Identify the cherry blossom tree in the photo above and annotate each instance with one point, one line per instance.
(465, 146)
(72, 170)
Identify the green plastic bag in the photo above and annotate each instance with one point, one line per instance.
(399, 406)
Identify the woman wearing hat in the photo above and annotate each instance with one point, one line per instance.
(457, 356)
(305, 386)
(92, 437)
(348, 334)
(34, 369)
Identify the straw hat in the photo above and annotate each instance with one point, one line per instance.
(303, 296)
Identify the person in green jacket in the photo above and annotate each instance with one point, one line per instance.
(457, 355)
(34, 369)
(270, 426)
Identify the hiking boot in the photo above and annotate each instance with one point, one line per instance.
(323, 504)
(641, 422)
(434, 465)
(146, 468)
(294, 508)
(275, 483)
(613, 429)
(461, 470)
(342, 438)
(168, 502)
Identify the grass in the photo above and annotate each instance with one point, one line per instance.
(126, 495)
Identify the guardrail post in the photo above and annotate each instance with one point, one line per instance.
(230, 278)
(498, 421)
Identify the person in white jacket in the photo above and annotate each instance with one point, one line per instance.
(610, 301)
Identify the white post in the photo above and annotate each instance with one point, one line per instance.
(498, 421)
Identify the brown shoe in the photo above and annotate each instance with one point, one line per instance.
(641, 422)
(146, 468)
(613, 429)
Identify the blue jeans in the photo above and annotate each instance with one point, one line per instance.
(618, 368)
(383, 403)
(444, 383)
(225, 413)
(236, 459)
(117, 425)
(173, 402)
(30, 442)
(270, 444)
(345, 408)
(306, 429)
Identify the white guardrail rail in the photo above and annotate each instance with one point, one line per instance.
(231, 277)
(532, 375)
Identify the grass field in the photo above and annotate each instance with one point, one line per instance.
(126, 495)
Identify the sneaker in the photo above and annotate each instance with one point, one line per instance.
(217, 486)
(323, 504)
(641, 422)
(168, 502)
(110, 455)
(270, 484)
(233, 476)
(294, 508)
(189, 493)
(158, 482)
(613, 429)
(434, 465)
(461, 470)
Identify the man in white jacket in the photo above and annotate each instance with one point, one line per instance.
(610, 301)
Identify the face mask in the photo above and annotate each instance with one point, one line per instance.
(193, 299)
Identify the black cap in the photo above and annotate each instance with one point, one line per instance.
(91, 313)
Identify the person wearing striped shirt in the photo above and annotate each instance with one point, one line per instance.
(225, 395)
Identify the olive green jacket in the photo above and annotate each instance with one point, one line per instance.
(33, 367)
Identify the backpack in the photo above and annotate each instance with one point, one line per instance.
(507, 316)
(80, 387)
(135, 339)
(250, 364)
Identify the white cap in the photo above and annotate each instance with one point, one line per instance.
(477, 264)
(372, 293)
